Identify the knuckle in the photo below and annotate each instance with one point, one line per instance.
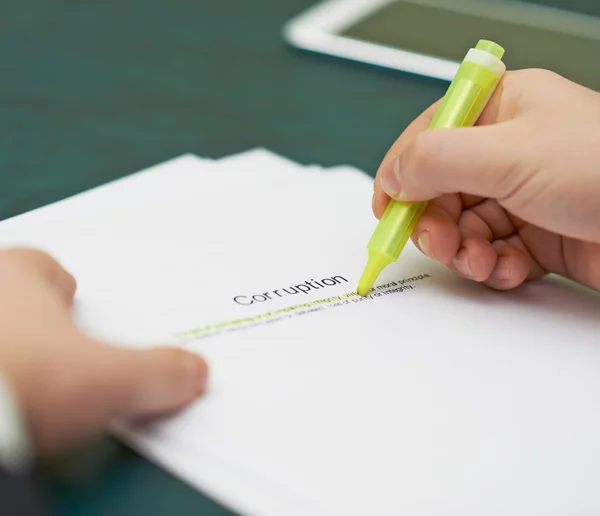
(421, 155)
(543, 73)
(525, 82)
(512, 182)
(537, 75)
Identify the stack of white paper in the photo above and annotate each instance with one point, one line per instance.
(432, 396)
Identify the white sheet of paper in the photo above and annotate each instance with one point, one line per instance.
(433, 396)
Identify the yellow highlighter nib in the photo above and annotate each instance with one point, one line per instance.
(377, 262)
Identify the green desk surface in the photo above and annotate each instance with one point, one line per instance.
(94, 90)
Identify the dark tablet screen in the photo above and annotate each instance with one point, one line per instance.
(533, 38)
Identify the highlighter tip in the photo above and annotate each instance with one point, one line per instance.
(377, 262)
(366, 283)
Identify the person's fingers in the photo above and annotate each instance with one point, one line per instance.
(487, 218)
(437, 234)
(496, 264)
(418, 125)
(471, 160)
(154, 382)
(475, 259)
(535, 269)
(416, 146)
(102, 384)
(380, 198)
(501, 107)
(511, 269)
(44, 265)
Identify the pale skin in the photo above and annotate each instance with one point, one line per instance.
(514, 198)
(511, 200)
(71, 386)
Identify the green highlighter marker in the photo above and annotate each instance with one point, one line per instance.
(470, 90)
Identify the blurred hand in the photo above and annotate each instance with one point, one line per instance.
(515, 197)
(68, 384)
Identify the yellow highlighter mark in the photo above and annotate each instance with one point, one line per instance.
(392, 287)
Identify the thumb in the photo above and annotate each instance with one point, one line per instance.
(105, 384)
(476, 160)
(154, 382)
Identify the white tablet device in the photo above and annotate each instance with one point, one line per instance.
(430, 37)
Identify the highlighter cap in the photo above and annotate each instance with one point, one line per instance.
(474, 83)
(490, 47)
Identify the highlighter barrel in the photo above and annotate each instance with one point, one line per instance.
(466, 97)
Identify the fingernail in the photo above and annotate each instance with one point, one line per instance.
(197, 372)
(390, 179)
(502, 270)
(461, 264)
(423, 242)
